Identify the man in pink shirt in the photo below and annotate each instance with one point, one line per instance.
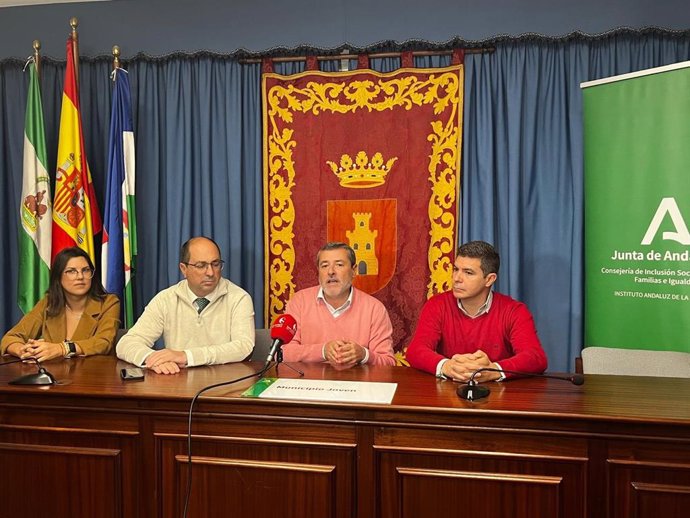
(336, 322)
(471, 327)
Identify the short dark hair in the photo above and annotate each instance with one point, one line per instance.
(55, 293)
(337, 245)
(490, 261)
(184, 250)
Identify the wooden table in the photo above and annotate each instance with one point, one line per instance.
(97, 447)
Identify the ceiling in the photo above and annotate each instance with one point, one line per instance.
(14, 3)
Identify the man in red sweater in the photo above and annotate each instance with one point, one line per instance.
(336, 322)
(470, 327)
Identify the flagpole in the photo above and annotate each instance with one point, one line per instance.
(37, 57)
(74, 22)
(116, 58)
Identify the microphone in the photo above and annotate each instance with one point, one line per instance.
(283, 329)
(473, 390)
(42, 377)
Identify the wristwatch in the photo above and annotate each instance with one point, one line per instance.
(70, 349)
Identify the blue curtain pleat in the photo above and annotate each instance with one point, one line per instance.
(13, 88)
(198, 132)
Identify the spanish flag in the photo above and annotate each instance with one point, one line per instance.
(75, 211)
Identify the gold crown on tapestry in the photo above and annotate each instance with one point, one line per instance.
(362, 173)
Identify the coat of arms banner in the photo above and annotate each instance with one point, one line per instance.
(370, 159)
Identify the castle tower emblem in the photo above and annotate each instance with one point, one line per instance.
(363, 240)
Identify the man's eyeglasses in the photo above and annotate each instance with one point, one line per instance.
(202, 267)
(73, 273)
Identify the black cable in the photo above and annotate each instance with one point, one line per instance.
(20, 360)
(259, 374)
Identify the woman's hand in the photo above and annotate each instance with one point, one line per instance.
(19, 350)
(44, 351)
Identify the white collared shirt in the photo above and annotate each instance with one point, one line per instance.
(483, 309)
(210, 297)
(336, 312)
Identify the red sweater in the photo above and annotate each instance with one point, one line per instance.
(506, 334)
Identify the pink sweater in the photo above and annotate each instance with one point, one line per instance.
(365, 322)
(506, 334)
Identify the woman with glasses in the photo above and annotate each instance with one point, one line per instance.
(76, 316)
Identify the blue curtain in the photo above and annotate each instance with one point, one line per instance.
(523, 167)
(198, 149)
(198, 141)
(198, 138)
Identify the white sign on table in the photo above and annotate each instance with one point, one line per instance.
(323, 390)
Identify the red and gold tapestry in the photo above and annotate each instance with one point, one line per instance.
(372, 160)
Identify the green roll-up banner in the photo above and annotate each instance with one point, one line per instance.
(637, 210)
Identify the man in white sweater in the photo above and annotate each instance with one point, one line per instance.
(204, 319)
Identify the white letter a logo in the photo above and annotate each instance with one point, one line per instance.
(668, 205)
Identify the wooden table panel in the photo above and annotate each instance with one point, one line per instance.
(312, 478)
(426, 493)
(60, 481)
(534, 447)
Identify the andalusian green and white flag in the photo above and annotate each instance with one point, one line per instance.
(637, 210)
(35, 212)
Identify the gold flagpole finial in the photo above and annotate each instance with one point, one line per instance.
(37, 56)
(73, 22)
(116, 57)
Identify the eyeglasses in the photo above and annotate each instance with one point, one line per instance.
(73, 273)
(202, 267)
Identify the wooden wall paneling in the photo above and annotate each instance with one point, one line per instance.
(654, 500)
(648, 489)
(648, 478)
(364, 478)
(70, 465)
(60, 481)
(519, 485)
(526, 474)
(257, 477)
(424, 492)
(256, 489)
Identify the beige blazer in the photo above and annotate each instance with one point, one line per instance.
(95, 332)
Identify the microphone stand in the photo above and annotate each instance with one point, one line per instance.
(42, 377)
(473, 391)
(279, 360)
